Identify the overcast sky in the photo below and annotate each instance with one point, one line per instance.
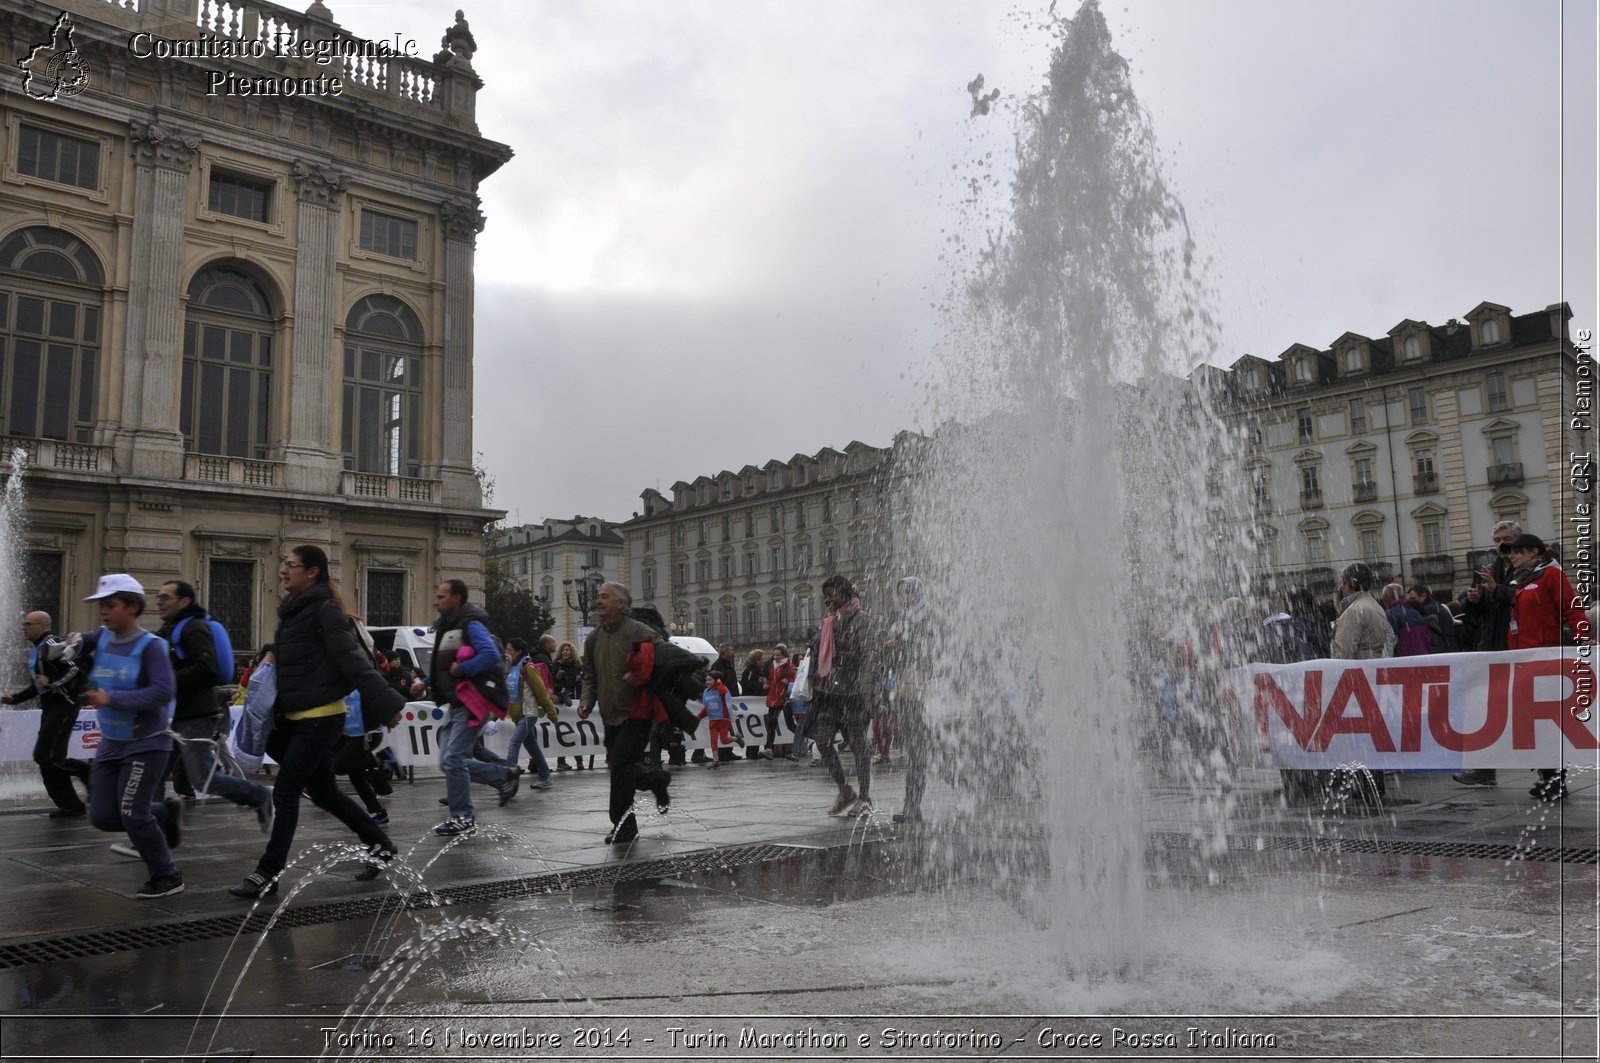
(727, 221)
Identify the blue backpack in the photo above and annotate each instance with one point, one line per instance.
(220, 640)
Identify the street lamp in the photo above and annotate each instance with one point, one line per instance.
(587, 587)
(681, 624)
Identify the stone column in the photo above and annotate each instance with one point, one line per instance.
(148, 442)
(462, 222)
(310, 451)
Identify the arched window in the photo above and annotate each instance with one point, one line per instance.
(227, 365)
(383, 388)
(50, 301)
(1490, 330)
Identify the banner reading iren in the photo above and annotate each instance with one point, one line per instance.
(1522, 709)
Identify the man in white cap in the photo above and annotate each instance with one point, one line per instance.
(132, 689)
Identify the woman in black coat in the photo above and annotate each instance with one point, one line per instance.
(320, 661)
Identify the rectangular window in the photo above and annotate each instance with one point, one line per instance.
(1316, 549)
(775, 555)
(41, 584)
(386, 598)
(1303, 415)
(1432, 538)
(1498, 399)
(1358, 417)
(230, 596)
(702, 541)
(242, 197)
(777, 519)
(750, 563)
(1309, 481)
(594, 559)
(752, 618)
(727, 621)
(649, 541)
(1505, 450)
(680, 535)
(705, 623)
(802, 614)
(1370, 550)
(1419, 405)
(385, 234)
(777, 611)
(704, 568)
(649, 582)
(1425, 464)
(725, 566)
(683, 574)
(827, 509)
(1364, 470)
(727, 527)
(57, 157)
(549, 560)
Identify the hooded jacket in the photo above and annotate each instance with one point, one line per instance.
(1541, 601)
(320, 660)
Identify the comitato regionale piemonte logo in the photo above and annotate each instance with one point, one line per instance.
(54, 70)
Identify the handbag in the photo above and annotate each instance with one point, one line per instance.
(802, 681)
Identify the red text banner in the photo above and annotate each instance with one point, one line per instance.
(1522, 709)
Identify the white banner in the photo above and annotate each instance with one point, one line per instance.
(1523, 709)
(414, 743)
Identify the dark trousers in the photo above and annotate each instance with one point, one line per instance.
(848, 713)
(50, 753)
(786, 710)
(628, 746)
(123, 798)
(306, 767)
(918, 740)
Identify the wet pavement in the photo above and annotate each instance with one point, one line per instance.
(747, 912)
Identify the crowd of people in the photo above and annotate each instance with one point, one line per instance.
(318, 697)
(1521, 599)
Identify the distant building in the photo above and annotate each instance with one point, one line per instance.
(562, 563)
(740, 556)
(1404, 450)
(234, 319)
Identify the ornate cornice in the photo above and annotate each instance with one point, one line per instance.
(316, 183)
(162, 146)
(462, 220)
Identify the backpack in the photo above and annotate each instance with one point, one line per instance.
(223, 646)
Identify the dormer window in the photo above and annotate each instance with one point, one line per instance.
(1252, 380)
(1352, 360)
(1489, 331)
(1302, 370)
(1412, 348)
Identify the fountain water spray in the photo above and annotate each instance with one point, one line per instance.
(1066, 507)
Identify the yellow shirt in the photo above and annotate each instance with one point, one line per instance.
(332, 708)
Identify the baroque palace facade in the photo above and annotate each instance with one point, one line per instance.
(740, 556)
(1404, 450)
(231, 322)
(562, 563)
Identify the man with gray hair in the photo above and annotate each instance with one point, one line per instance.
(1488, 608)
(53, 682)
(606, 684)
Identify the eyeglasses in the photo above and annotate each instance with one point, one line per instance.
(291, 564)
(1506, 548)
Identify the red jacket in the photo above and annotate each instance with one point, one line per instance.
(646, 706)
(1539, 606)
(779, 676)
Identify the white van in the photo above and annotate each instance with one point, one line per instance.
(697, 646)
(414, 643)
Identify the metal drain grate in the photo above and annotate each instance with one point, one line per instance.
(127, 939)
(1390, 847)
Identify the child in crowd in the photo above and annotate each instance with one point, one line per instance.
(718, 710)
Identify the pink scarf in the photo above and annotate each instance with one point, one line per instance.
(825, 646)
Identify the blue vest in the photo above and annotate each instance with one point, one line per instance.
(114, 672)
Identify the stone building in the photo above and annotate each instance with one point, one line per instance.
(1404, 450)
(562, 563)
(236, 305)
(740, 556)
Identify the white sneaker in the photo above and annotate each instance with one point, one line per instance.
(124, 849)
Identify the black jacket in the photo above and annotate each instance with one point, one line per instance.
(62, 678)
(1492, 611)
(723, 669)
(320, 659)
(441, 683)
(196, 670)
